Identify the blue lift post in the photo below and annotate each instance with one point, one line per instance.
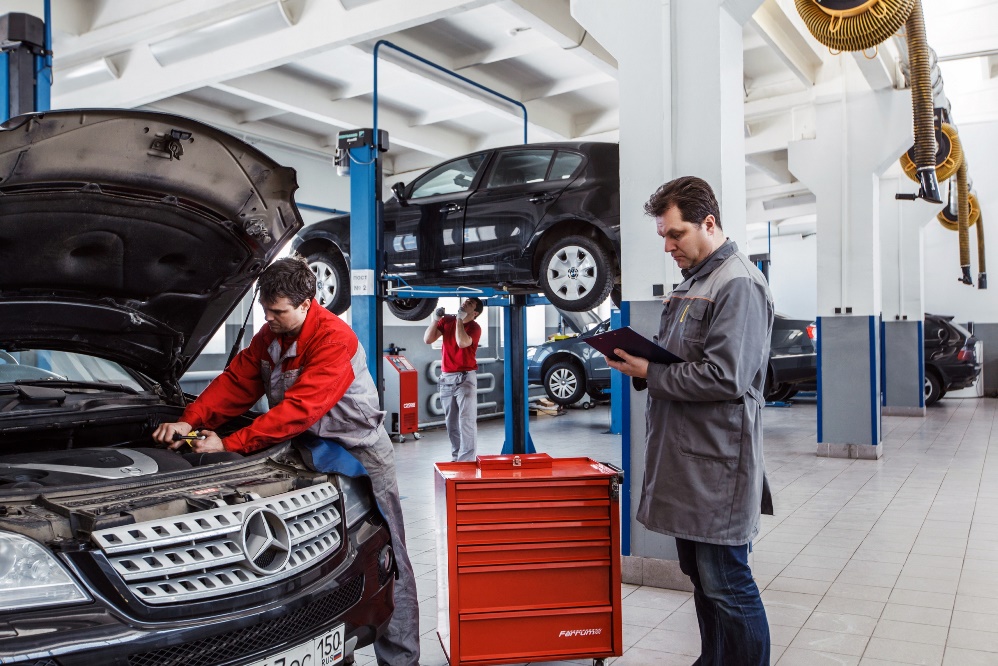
(363, 153)
(515, 327)
(25, 63)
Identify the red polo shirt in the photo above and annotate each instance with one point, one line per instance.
(456, 359)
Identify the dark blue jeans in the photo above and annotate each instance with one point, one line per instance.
(733, 626)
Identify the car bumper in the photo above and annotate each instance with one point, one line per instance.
(354, 592)
(961, 376)
(794, 368)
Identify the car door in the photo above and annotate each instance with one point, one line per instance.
(503, 213)
(424, 236)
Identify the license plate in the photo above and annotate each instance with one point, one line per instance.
(324, 650)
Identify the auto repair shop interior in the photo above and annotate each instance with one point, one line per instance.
(502, 149)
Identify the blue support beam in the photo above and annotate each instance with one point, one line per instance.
(365, 204)
(616, 383)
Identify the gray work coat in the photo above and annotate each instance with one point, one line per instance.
(704, 463)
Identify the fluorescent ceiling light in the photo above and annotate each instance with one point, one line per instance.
(791, 200)
(88, 74)
(240, 28)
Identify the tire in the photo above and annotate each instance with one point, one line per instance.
(616, 296)
(564, 383)
(782, 393)
(412, 309)
(933, 388)
(576, 274)
(332, 280)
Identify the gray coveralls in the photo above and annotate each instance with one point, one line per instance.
(459, 397)
(372, 447)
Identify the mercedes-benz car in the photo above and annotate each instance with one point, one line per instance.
(529, 218)
(126, 239)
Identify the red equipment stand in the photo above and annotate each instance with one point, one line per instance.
(528, 559)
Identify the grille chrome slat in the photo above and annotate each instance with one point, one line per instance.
(200, 555)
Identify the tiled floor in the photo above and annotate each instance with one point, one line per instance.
(869, 563)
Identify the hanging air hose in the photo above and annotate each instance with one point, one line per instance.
(949, 154)
(860, 25)
(963, 223)
(982, 270)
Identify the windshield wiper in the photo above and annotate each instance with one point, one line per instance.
(68, 383)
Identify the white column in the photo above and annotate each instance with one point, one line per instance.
(857, 137)
(681, 113)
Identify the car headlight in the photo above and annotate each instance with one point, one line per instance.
(356, 500)
(30, 576)
(531, 351)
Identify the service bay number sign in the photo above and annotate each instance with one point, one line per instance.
(324, 650)
(362, 282)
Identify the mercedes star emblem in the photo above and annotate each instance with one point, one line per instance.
(266, 541)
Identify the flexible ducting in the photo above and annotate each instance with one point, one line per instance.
(856, 25)
(963, 223)
(949, 155)
(949, 216)
(859, 25)
(982, 270)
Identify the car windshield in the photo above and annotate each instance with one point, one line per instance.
(46, 364)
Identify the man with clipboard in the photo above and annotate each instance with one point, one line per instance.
(704, 465)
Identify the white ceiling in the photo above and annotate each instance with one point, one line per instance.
(297, 85)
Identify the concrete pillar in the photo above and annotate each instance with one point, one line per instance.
(901, 244)
(857, 136)
(681, 113)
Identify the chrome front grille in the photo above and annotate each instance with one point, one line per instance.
(205, 554)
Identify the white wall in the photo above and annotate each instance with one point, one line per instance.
(793, 272)
(943, 294)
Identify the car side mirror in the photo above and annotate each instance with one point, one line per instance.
(398, 189)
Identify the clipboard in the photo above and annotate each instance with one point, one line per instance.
(631, 342)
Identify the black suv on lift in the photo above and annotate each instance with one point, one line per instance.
(528, 218)
(126, 239)
(951, 361)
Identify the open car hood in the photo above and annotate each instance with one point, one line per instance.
(132, 235)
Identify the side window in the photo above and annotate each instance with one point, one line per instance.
(934, 333)
(517, 167)
(448, 178)
(565, 165)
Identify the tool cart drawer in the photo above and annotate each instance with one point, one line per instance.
(580, 632)
(525, 586)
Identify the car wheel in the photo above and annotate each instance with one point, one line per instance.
(616, 296)
(933, 388)
(575, 274)
(412, 309)
(332, 280)
(564, 383)
(782, 393)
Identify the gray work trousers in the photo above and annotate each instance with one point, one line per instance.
(399, 646)
(459, 398)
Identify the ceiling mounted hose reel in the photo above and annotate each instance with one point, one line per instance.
(949, 216)
(949, 153)
(860, 25)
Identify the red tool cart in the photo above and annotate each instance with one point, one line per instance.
(528, 559)
(401, 394)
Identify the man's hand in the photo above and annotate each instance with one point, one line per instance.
(211, 443)
(632, 366)
(439, 312)
(165, 432)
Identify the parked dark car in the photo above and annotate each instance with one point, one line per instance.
(793, 358)
(540, 217)
(950, 353)
(569, 367)
(128, 238)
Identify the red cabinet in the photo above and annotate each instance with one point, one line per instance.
(528, 559)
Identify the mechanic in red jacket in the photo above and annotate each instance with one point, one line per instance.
(313, 370)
